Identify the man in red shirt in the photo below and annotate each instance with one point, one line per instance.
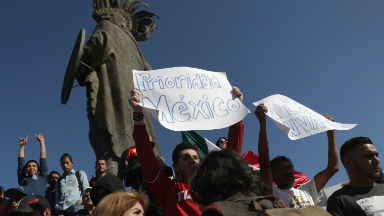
(172, 195)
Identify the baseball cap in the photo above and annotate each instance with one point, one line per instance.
(31, 203)
(86, 190)
(23, 189)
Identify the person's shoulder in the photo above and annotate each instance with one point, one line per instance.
(81, 172)
(344, 191)
(306, 184)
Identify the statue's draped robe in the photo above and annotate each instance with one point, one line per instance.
(113, 53)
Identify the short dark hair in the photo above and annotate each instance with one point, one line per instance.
(351, 144)
(180, 147)
(100, 159)
(53, 172)
(218, 141)
(33, 161)
(66, 155)
(222, 174)
(277, 160)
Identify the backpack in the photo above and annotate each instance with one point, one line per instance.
(77, 174)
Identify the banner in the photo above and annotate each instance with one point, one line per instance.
(298, 121)
(184, 99)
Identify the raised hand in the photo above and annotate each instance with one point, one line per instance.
(260, 112)
(329, 117)
(238, 93)
(23, 141)
(40, 137)
(135, 100)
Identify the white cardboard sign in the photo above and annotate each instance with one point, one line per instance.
(183, 98)
(298, 121)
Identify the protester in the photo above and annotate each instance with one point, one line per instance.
(225, 176)
(280, 170)
(50, 193)
(133, 177)
(105, 186)
(88, 205)
(122, 203)
(236, 131)
(70, 186)
(172, 195)
(5, 207)
(33, 205)
(16, 195)
(31, 174)
(361, 196)
(101, 170)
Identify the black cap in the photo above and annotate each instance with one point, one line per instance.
(23, 189)
(31, 203)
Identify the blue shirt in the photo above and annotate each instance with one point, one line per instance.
(36, 182)
(69, 187)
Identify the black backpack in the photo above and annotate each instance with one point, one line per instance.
(77, 174)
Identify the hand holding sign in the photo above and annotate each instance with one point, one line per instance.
(295, 120)
(135, 100)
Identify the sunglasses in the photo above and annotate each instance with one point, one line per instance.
(223, 141)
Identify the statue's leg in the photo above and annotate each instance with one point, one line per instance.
(101, 144)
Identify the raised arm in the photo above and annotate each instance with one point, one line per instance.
(265, 167)
(40, 138)
(23, 142)
(21, 160)
(236, 131)
(147, 160)
(333, 160)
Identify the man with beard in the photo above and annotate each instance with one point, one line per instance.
(362, 196)
(280, 170)
(172, 195)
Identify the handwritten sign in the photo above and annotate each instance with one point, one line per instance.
(372, 205)
(183, 98)
(298, 121)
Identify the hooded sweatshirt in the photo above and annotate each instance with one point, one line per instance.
(110, 182)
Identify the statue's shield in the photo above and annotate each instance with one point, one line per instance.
(73, 65)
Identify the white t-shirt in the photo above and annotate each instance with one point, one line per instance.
(301, 197)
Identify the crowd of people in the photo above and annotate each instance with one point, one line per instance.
(222, 183)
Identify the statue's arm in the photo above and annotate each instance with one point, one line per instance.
(97, 51)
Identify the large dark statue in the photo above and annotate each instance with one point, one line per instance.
(105, 68)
